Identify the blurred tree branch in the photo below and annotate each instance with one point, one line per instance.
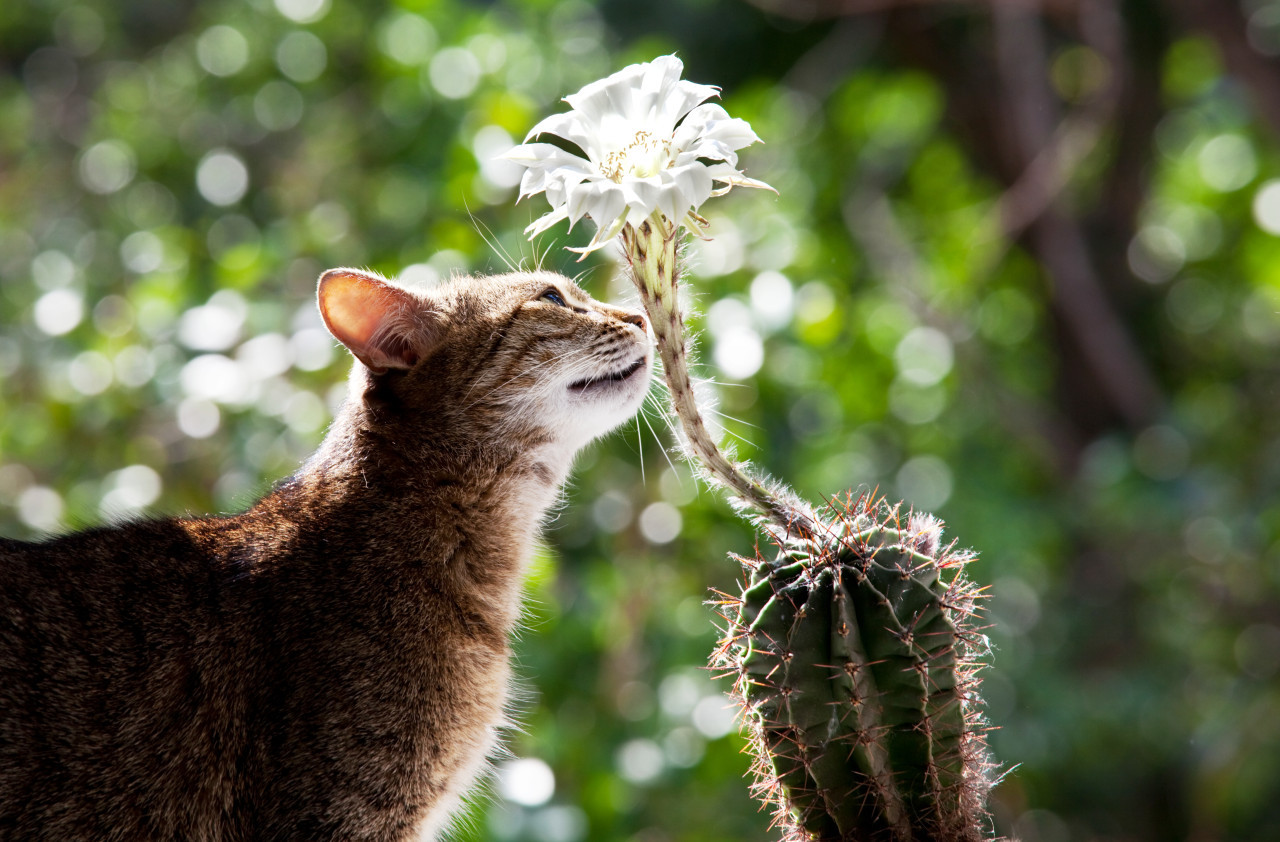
(1226, 24)
(1050, 169)
(1078, 293)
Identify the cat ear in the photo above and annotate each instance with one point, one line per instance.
(383, 325)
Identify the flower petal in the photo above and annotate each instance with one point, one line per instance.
(583, 197)
(670, 96)
(555, 181)
(532, 182)
(539, 154)
(604, 235)
(710, 122)
(607, 204)
(545, 162)
(695, 181)
(730, 177)
(712, 150)
(642, 196)
(614, 95)
(545, 221)
(573, 127)
(734, 133)
(684, 188)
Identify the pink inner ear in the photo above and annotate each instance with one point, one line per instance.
(371, 317)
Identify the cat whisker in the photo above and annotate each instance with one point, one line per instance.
(735, 419)
(706, 407)
(640, 450)
(541, 259)
(666, 454)
(739, 437)
(700, 381)
(721, 383)
(531, 396)
(531, 369)
(491, 240)
(664, 411)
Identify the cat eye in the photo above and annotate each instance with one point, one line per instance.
(554, 296)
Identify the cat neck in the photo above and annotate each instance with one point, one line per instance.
(379, 450)
(466, 501)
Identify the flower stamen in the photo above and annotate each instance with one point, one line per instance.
(645, 156)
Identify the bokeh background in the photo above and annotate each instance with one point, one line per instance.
(1023, 270)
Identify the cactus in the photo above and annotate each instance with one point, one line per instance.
(855, 658)
(854, 651)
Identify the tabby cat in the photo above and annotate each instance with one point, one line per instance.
(333, 663)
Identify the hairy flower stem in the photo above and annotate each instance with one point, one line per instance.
(651, 251)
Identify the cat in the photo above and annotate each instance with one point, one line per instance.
(333, 662)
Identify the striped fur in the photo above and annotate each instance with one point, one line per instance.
(332, 663)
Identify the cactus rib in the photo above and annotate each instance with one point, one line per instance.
(855, 657)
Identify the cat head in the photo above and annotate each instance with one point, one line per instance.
(525, 353)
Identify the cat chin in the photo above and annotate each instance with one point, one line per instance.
(590, 409)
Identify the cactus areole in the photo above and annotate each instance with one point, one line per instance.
(854, 656)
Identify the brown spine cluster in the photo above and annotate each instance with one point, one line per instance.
(855, 656)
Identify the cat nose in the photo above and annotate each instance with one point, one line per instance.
(635, 319)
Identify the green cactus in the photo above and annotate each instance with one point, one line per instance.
(855, 659)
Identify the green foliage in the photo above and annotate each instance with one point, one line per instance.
(160, 353)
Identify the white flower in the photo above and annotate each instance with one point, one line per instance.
(652, 144)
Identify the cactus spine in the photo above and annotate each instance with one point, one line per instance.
(855, 660)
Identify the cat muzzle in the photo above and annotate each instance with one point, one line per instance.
(615, 377)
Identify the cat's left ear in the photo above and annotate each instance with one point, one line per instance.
(384, 325)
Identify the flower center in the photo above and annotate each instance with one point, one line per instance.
(644, 156)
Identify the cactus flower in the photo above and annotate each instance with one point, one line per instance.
(648, 151)
(854, 650)
(652, 144)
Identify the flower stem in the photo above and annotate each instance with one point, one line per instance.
(651, 251)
